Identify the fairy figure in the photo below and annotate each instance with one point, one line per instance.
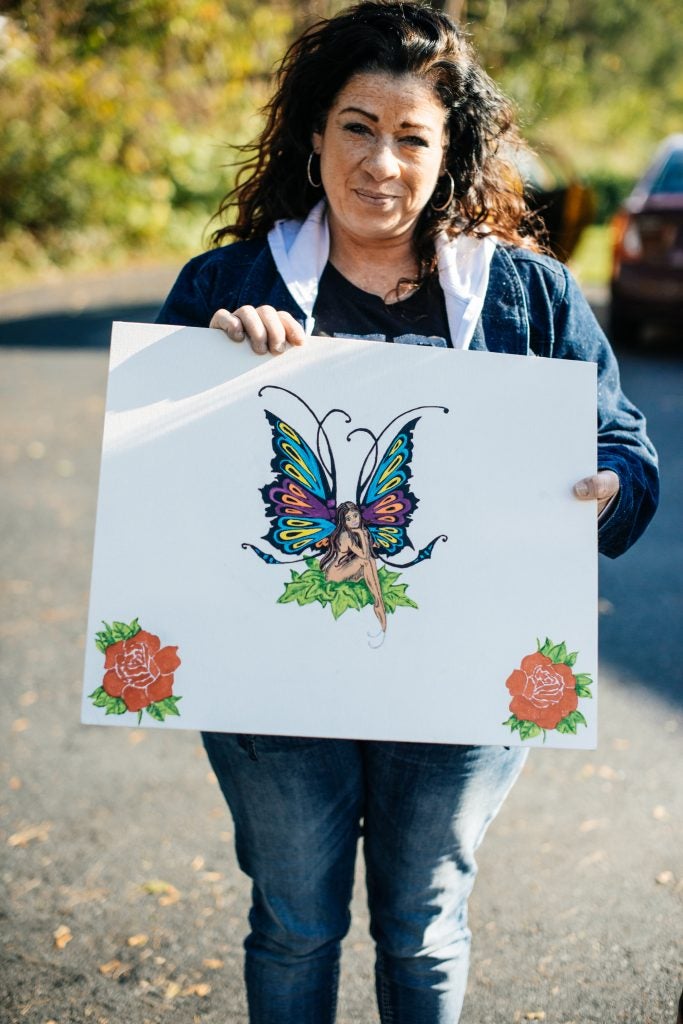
(353, 536)
(349, 556)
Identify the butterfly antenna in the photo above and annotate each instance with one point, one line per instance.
(374, 452)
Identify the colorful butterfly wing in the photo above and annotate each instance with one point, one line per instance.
(386, 501)
(300, 502)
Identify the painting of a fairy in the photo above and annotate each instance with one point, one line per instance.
(346, 546)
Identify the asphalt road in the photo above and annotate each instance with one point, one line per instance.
(122, 901)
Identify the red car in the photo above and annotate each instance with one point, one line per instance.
(647, 270)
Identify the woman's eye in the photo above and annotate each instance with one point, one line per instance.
(415, 140)
(356, 128)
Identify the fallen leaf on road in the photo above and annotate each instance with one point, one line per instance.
(20, 725)
(198, 862)
(28, 834)
(605, 772)
(211, 778)
(664, 878)
(62, 936)
(212, 876)
(213, 964)
(115, 969)
(535, 1015)
(660, 813)
(136, 737)
(28, 698)
(172, 990)
(166, 892)
(138, 940)
(15, 782)
(620, 744)
(201, 989)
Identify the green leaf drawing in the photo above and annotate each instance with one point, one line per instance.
(571, 658)
(115, 706)
(161, 708)
(558, 653)
(570, 722)
(582, 690)
(529, 730)
(170, 705)
(311, 586)
(112, 634)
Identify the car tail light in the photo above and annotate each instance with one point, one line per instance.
(627, 240)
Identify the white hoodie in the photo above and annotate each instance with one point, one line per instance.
(301, 250)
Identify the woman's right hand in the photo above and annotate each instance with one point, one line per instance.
(264, 327)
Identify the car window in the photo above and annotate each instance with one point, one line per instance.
(671, 176)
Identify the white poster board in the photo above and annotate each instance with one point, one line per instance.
(217, 463)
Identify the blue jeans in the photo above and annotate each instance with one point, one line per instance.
(298, 805)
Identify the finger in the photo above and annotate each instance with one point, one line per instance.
(601, 486)
(229, 323)
(294, 332)
(276, 332)
(254, 328)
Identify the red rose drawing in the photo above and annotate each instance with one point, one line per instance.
(542, 691)
(138, 671)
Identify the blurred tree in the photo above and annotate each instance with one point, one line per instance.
(116, 115)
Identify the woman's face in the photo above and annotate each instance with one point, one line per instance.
(352, 518)
(381, 154)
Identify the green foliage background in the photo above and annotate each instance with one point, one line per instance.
(116, 116)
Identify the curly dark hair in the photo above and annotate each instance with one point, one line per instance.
(396, 38)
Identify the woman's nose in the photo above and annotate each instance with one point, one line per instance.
(382, 162)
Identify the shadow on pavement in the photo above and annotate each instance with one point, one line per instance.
(88, 329)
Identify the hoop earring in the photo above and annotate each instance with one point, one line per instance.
(314, 184)
(448, 202)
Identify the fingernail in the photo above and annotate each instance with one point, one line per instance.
(581, 489)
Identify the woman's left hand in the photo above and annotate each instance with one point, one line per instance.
(603, 486)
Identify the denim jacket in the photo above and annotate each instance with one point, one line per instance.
(532, 307)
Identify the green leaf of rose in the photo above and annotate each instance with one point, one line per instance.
(546, 648)
(102, 699)
(571, 658)
(577, 718)
(529, 730)
(582, 690)
(584, 678)
(156, 711)
(566, 725)
(170, 705)
(513, 722)
(558, 653)
(116, 706)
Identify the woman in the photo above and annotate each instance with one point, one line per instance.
(350, 556)
(379, 204)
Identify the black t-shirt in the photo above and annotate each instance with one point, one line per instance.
(344, 311)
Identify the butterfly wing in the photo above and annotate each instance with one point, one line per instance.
(386, 501)
(300, 502)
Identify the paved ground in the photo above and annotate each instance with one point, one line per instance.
(122, 901)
